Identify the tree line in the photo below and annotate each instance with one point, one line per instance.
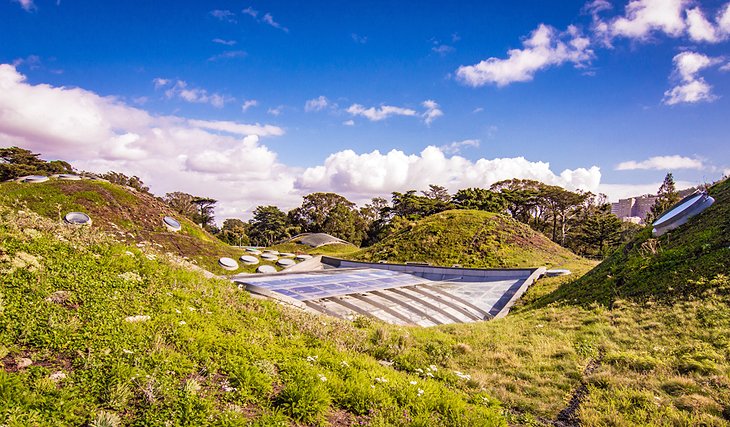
(580, 221)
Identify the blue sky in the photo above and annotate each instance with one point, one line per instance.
(615, 94)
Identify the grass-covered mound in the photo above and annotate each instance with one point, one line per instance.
(679, 264)
(129, 215)
(334, 249)
(94, 332)
(470, 238)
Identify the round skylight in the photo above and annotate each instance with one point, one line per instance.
(249, 259)
(171, 223)
(228, 263)
(78, 218)
(266, 269)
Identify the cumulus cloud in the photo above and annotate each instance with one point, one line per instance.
(725, 67)
(432, 111)
(249, 103)
(691, 88)
(643, 17)
(316, 104)
(180, 90)
(223, 160)
(624, 191)
(227, 160)
(544, 48)
(363, 175)
(377, 114)
(456, 146)
(662, 163)
(349, 122)
(223, 15)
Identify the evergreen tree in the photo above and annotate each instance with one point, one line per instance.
(16, 162)
(268, 226)
(666, 197)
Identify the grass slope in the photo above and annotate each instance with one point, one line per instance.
(93, 332)
(678, 264)
(130, 215)
(470, 238)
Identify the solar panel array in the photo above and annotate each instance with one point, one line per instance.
(312, 286)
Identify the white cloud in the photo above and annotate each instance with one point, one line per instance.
(169, 153)
(361, 176)
(432, 111)
(181, 90)
(316, 104)
(726, 172)
(250, 12)
(477, 110)
(224, 42)
(226, 160)
(237, 128)
(228, 55)
(662, 163)
(691, 88)
(725, 67)
(275, 111)
(699, 28)
(31, 61)
(643, 17)
(224, 15)
(349, 122)
(270, 20)
(359, 39)
(456, 146)
(249, 103)
(442, 49)
(160, 82)
(376, 114)
(27, 5)
(545, 47)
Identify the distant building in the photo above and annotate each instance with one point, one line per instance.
(634, 207)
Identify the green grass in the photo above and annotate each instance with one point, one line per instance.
(208, 354)
(677, 264)
(658, 343)
(469, 238)
(336, 249)
(131, 216)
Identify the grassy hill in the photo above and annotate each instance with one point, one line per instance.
(128, 215)
(77, 347)
(681, 263)
(472, 239)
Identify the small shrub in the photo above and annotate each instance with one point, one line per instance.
(106, 419)
(304, 397)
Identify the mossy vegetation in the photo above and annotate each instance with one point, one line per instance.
(469, 238)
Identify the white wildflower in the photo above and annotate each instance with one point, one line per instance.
(312, 359)
(125, 351)
(433, 368)
(322, 378)
(135, 319)
(182, 322)
(428, 374)
(57, 376)
(414, 382)
(419, 370)
(344, 364)
(420, 392)
(381, 379)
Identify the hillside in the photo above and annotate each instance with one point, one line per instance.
(128, 215)
(470, 238)
(680, 263)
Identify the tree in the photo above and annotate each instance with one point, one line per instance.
(437, 192)
(600, 231)
(521, 196)
(16, 162)
(329, 213)
(666, 197)
(411, 206)
(480, 199)
(129, 181)
(182, 203)
(234, 232)
(268, 226)
(204, 215)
